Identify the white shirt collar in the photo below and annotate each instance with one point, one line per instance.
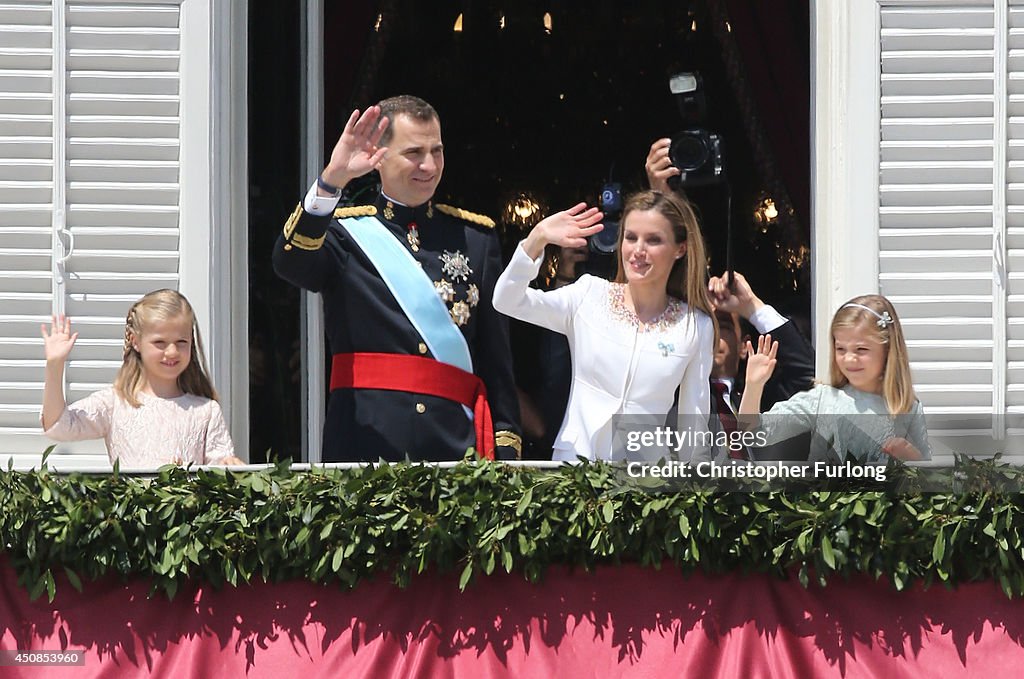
(729, 383)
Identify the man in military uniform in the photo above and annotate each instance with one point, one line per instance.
(421, 367)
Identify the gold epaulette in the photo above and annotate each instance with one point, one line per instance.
(355, 211)
(466, 215)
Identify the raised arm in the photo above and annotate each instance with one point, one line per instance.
(795, 370)
(659, 166)
(357, 151)
(300, 255)
(57, 345)
(512, 294)
(760, 366)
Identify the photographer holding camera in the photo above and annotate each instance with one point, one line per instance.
(733, 298)
(659, 167)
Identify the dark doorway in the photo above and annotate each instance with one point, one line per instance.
(545, 99)
(274, 189)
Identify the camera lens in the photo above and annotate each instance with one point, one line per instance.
(605, 240)
(689, 151)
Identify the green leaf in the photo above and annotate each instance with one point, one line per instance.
(524, 502)
(73, 578)
(51, 586)
(608, 512)
(939, 547)
(826, 552)
(467, 573)
(339, 557)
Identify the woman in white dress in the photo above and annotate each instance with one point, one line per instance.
(633, 341)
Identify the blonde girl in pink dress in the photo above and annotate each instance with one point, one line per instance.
(162, 407)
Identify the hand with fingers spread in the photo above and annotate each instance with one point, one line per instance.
(568, 229)
(659, 166)
(57, 345)
(761, 364)
(58, 342)
(357, 151)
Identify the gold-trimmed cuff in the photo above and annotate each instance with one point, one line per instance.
(289, 226)
(509, 439)
(307, 243)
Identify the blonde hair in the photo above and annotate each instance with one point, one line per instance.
(688, 279)
(885, 326)
(157, 306)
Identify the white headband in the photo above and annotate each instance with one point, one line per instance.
(884, 319)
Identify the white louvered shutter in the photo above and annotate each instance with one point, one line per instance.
(92, 144)
(1013, 274)
(26, 234)
(951, 223)
(122, 148)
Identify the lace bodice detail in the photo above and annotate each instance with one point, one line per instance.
(620, 311)
(183, 430)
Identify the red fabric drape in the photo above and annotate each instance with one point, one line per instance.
(626, 621)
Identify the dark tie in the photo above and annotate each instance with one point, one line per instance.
(726, 417)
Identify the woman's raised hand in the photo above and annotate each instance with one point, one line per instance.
(761, 364)
(57, 343)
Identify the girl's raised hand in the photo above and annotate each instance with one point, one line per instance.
(761, 364)
(57, 343)
(571, 228)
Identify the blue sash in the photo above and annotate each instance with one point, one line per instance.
(412, 289)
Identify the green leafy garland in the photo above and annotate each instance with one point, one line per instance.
(346, 525)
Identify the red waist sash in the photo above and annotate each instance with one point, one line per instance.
(419, 375)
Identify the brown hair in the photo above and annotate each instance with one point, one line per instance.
(404, 104)
(160, 305)
(688, 279)
(885, 326)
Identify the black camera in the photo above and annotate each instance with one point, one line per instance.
(695, 151)
(698, 155)
(604, 241)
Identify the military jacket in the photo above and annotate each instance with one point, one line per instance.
(459, 252)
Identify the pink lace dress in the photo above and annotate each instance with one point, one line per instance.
(183, 430)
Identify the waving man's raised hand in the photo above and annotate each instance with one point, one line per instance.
(357, 151)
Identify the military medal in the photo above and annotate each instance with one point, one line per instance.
(473, 295)
(413, 236)
(456, 265)
(460, 313)
(444, 290)
(389, 211)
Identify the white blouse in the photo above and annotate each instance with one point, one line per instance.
(160, 431)
(620, 366)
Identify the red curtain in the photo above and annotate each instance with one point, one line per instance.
(626, 621)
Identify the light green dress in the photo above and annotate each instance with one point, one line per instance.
(845, 424)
